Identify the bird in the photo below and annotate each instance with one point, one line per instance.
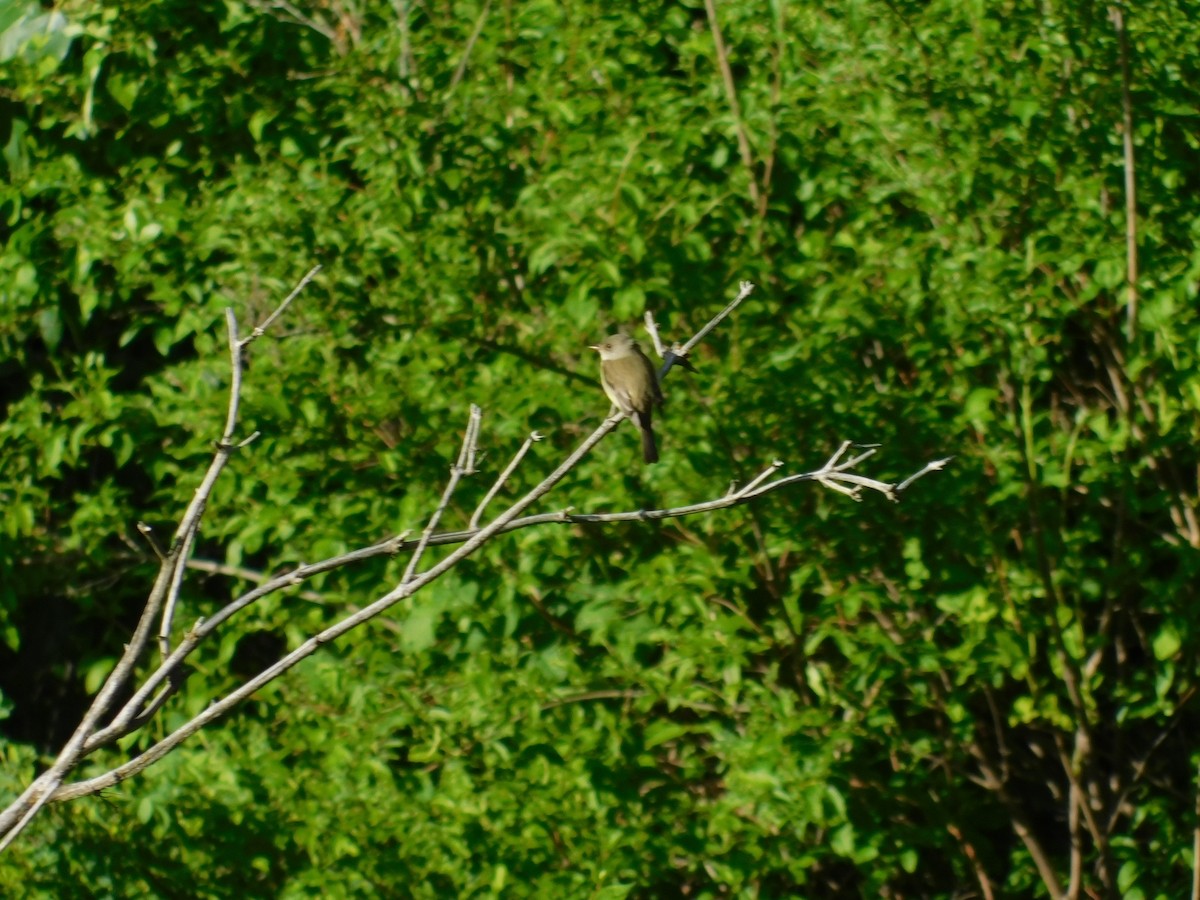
(631, 383)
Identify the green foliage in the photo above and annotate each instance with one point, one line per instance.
(806, 697)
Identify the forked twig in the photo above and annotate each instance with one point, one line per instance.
(464, 466)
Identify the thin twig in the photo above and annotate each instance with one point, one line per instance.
(533, 438)
(1020, 824)
(279, 310)
(846, 445)
(671, 356)
(475, 33)
(466, 457)
(935, 466)
(745, 289)
(186, 536)
(1131, 255)
(252, 575)
(148, 533)
(1072, 764)
(1141, 765)
(985, 883)
(470, 445)
(766, 473)
(743, 140)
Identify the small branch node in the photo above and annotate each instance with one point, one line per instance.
(396, 544)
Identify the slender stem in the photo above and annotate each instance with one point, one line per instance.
(1131, 251)
(743, 141)
(533, 438)
(466, 56)
(745, 289)
(465, 464)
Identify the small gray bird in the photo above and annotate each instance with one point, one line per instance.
(631, 382)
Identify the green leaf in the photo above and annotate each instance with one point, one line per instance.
(1167, 642)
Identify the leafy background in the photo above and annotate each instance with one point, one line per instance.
(806, 697)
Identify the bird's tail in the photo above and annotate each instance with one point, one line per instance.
(649, 449)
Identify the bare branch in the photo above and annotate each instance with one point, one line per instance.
(936, 466)
(465, 465)
(985, 883)
(671, 356)
(745, 289)
(1131, 252)
(739, 125)
(533, 438)
(186, 535)
(259, 330)
(43, 797)
(470, 445)
(217, 568)
(148, 533)
(766, 473)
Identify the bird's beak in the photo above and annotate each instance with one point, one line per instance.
(595, 347)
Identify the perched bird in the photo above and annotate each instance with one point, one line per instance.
(631, 382)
